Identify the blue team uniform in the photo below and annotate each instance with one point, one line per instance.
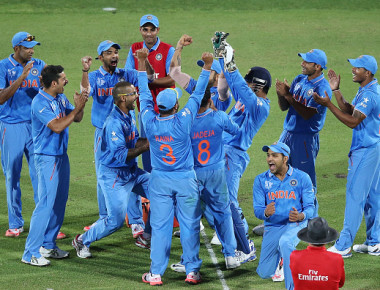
(102, 83)
(173, 179)
(363, 180)
(209, 159)
(118, 177)
(280, 235)
(302, 136)
(53, 172)
(220, 105)
(16, 133)
(250, 113)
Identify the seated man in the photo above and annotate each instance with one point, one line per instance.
(315, 267)
(283, 197)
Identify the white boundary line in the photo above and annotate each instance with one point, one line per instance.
(214, 260)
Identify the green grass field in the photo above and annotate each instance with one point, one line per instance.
(264, 33)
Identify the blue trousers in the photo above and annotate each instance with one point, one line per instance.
(279, 241)
(170, 191)
(236, 163)
(16, 140)
(116, 185)
(214, 194)
(53, 189)
(304, 149)
(97, 152)
(362, 196)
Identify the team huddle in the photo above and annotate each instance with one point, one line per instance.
(193, 158)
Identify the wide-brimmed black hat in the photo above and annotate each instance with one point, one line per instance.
(317, 232)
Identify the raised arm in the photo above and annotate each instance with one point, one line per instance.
(85, 83)
(175, 65)
(7, 93)
(334, 81)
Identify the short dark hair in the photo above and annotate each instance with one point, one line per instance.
(116, 89)
(206, 97)
(166, 112)
(49, 74)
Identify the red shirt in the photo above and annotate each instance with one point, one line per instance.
(157, 58)
(316, 268)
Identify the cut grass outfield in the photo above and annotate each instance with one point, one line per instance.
(264, 33)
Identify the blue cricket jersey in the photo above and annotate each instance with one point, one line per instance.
(17, 108)
(206, 137)
(296, 190)
(102, 84)
(367, 101)
(220, 105)
(302, 90)
(119, 134)
(45, 108)
(249, 112)
(169, 137)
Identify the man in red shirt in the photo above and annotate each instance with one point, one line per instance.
(315, 267)
(160, 56)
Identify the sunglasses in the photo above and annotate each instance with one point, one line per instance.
(29, 38)
(127, 95)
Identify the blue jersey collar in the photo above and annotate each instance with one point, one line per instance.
(317, 79)
(15, 62)
(154, 47)
(104, 72)
(122, 114)
(47, 96)
(289, 172)
(368, 85)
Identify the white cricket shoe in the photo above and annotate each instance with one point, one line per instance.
(40, 262)
(82, 250)
(373, 250)
(137, 230)
(345, 253)
(279, 274)
(201, 226)
(243, 257)
(215, 240)
(178, 267)
(232, 262)
(53, 253)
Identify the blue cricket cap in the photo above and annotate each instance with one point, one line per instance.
(25, 39)
(167, 98)
(105, 45)
(215, 65)
(278, 147)
(149, 18)
(366, 61)
(315, 55)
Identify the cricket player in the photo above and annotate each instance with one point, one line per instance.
(363, 180)
(100, 84)
(173, 163)
(305, 118)
(283, 197)
(51, 114)
(119, 175)
(250, 112)
(19, 83)
(160, 55)
(208, 151)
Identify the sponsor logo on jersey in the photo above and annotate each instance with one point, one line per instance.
(121, 79)
(64, 103)
(53, 106)
(310, 92)
(297, 87)
(268, 184)
(293, 182)
(100, 81)
(114, 138)
(281, 194)
(34, 71)
(11, 72)
(158, 56)
(312, 276)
